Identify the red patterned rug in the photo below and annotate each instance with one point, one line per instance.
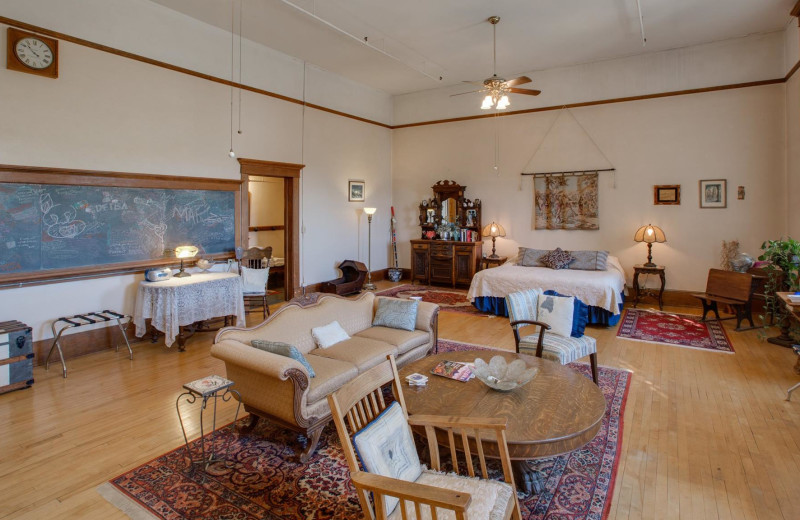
(680, 330)
(448, 299)
(266, 482)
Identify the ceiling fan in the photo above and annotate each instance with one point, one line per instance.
(497, 88)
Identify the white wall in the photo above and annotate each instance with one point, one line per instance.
(736, 135)
(266, 209)
(110, 113)
(792, 193)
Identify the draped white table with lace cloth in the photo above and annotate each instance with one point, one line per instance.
(177, 302)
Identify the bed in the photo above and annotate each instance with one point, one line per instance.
(602, 291)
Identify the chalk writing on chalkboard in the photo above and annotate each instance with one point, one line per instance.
(47, 226)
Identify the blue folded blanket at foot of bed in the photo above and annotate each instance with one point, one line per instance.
(597, 315)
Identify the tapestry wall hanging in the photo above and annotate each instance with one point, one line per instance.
(565, 201)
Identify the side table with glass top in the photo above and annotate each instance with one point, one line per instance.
(207, 388)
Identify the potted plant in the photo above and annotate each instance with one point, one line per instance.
(783, 270)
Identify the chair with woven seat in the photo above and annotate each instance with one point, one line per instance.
(523, 312)
(254, 270)
(400, 486)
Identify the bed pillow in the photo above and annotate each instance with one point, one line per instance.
(396, 313)
(580, 315)
(556, 311)
(386, 447)
(329, 335)
(284, 349)
(557, 259)
(589, 260)
(531, 257)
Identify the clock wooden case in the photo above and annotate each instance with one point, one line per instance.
(32, 53)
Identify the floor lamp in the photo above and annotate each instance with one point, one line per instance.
(369, 286)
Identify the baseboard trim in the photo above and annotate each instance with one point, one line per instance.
(672, 298)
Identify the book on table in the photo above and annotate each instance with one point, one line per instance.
(454, 370)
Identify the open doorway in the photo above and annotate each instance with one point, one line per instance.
(271, 217)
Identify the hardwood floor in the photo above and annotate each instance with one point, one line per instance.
(706, 435)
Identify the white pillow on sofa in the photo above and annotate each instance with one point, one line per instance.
(330, 334)
(557, 312)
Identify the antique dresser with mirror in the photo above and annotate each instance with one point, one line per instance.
(450, 247)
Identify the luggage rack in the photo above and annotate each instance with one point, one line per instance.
(81, 320)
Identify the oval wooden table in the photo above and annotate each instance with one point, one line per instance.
(558, 412)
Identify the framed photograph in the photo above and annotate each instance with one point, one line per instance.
(667, 194)
(355, 191)
(714, 193)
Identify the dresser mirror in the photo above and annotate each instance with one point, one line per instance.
(449, 215)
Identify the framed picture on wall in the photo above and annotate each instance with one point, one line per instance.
(667, 194)
(355, 191)
(714, 193)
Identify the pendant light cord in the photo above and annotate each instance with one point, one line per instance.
(241, 17)
(233, 19)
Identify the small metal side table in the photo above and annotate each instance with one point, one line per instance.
(211, 387)
(641, 291)
(488, 261)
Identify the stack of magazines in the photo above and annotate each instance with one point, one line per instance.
(454, 370)
(794, 298)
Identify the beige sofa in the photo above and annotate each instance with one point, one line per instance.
(278, 388)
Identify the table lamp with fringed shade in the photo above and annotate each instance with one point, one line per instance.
(494, 230)
(184, 252)
(649, 234)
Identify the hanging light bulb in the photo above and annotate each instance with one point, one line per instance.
(503, 103)
(232, 154)
(487, 102)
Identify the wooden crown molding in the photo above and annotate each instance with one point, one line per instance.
(104, 48)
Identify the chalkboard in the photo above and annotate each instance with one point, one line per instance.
(51, 226)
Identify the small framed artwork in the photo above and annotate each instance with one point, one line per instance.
(355, 191)
(667, 194)
(714, 193)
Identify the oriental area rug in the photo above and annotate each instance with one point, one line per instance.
(449, 300)
(679, 330)
(264, 480)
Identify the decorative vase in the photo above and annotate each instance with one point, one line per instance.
(395, 274)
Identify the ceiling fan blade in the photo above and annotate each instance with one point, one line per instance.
(470, 92)
(479, 83)
(530, 92)
(518, 81)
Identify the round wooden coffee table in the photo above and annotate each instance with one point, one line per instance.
(558, 412)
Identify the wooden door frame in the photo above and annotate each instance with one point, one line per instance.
(291, 212)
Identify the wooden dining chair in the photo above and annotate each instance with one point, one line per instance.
(253, 268)
(360, 404)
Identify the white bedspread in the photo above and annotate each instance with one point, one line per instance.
(595, 288)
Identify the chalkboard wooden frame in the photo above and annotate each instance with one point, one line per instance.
(63, 176)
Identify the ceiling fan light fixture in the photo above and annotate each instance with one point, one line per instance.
(503, 103)
(487, 102)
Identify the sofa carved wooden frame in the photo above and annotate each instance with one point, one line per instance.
(311, 427)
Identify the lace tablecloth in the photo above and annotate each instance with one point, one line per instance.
(173, 303)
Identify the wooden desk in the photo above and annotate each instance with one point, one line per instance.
(785, 339)
(184, 302)
(558, 412)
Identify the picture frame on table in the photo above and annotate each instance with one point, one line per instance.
(714, 193)
(355, 191)
(667, 194)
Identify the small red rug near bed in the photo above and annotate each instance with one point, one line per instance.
(265, 480)
(680, 330)
(448, 299)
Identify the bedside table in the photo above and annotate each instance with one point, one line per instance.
(488, 262)
(641, 291)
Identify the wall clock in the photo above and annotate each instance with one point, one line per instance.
(32, 53)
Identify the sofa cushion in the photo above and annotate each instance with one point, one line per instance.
(364, 353)
(331, 375)
(404, 340)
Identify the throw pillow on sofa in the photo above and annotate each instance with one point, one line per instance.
(396, 314)
(329, 335)
(284, 349)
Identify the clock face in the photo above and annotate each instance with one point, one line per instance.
(34, 53)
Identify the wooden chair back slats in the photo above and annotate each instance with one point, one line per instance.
(729, 284)
(256, 257)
